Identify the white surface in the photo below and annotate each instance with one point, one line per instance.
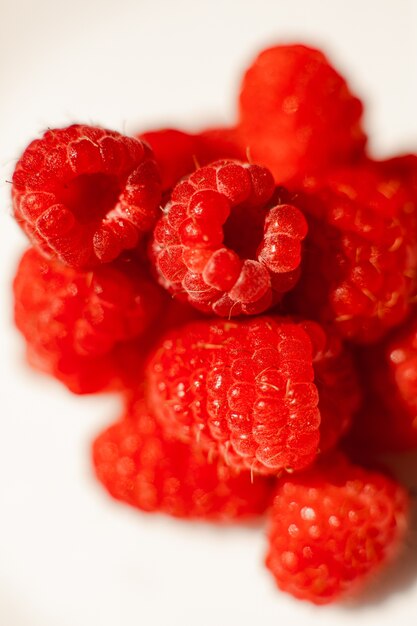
(68, 555)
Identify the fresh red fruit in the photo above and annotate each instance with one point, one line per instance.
(333, 527)
(76, 323)
(297, 114)
(246, 390)
(220, 143)
(139, 465)
(360, 256)
(340, 394)
(85, 194)
(175, 153)
(387, 420)
(226, 243)
(178, 153)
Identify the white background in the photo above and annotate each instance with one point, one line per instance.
(68, 555)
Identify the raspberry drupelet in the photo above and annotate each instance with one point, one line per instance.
(332, 527)
(297, 114)
(360, 256)
(226, 242)
(247, 390)
(77, 324)
(139, 465)
(85, 194)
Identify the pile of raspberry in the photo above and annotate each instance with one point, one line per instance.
(250, 291)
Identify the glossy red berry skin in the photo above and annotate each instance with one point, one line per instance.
(297, 114)
(140, 466)
(332, 527)
(79, 326)
(360, 256)
(84, 194)
(226, 243)
(246, 390)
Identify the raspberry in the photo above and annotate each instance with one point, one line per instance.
(340, 394)
(85, 194)
(360, 258)
(226, 243)
(388, 419)
(138, 465)
(175, 153)
(220, 143)
(178, 153)
(246, 389)
(332, 527)
(297, 114)
(76, 323)
(130, 358)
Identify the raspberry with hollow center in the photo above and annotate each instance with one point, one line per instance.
(246, 389)
(297, 114)
(226, 243)
(85, 194)
(333, 527)
(140, 466)
(359, 264)
(76, 322)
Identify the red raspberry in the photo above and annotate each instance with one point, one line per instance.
(226, 242)
(360, 256)
(388, 419)
(175, 153)
(85, 194)
(131, 357)
(297, 114)
(332, 527)
(138, 465)
(75, 323)
(178, 153)
(246, 389)
(337, 384)
(220, 143)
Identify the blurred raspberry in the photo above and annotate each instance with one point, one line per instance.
(178, 153)
(76, 323)
(333, 527)
(226, 243)
(297, 114)
(387, 420)
(360, 255)
(247, 390)
(335, 377)
(220, 143)
(85, 194)
(139, 465)
(175, 153)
